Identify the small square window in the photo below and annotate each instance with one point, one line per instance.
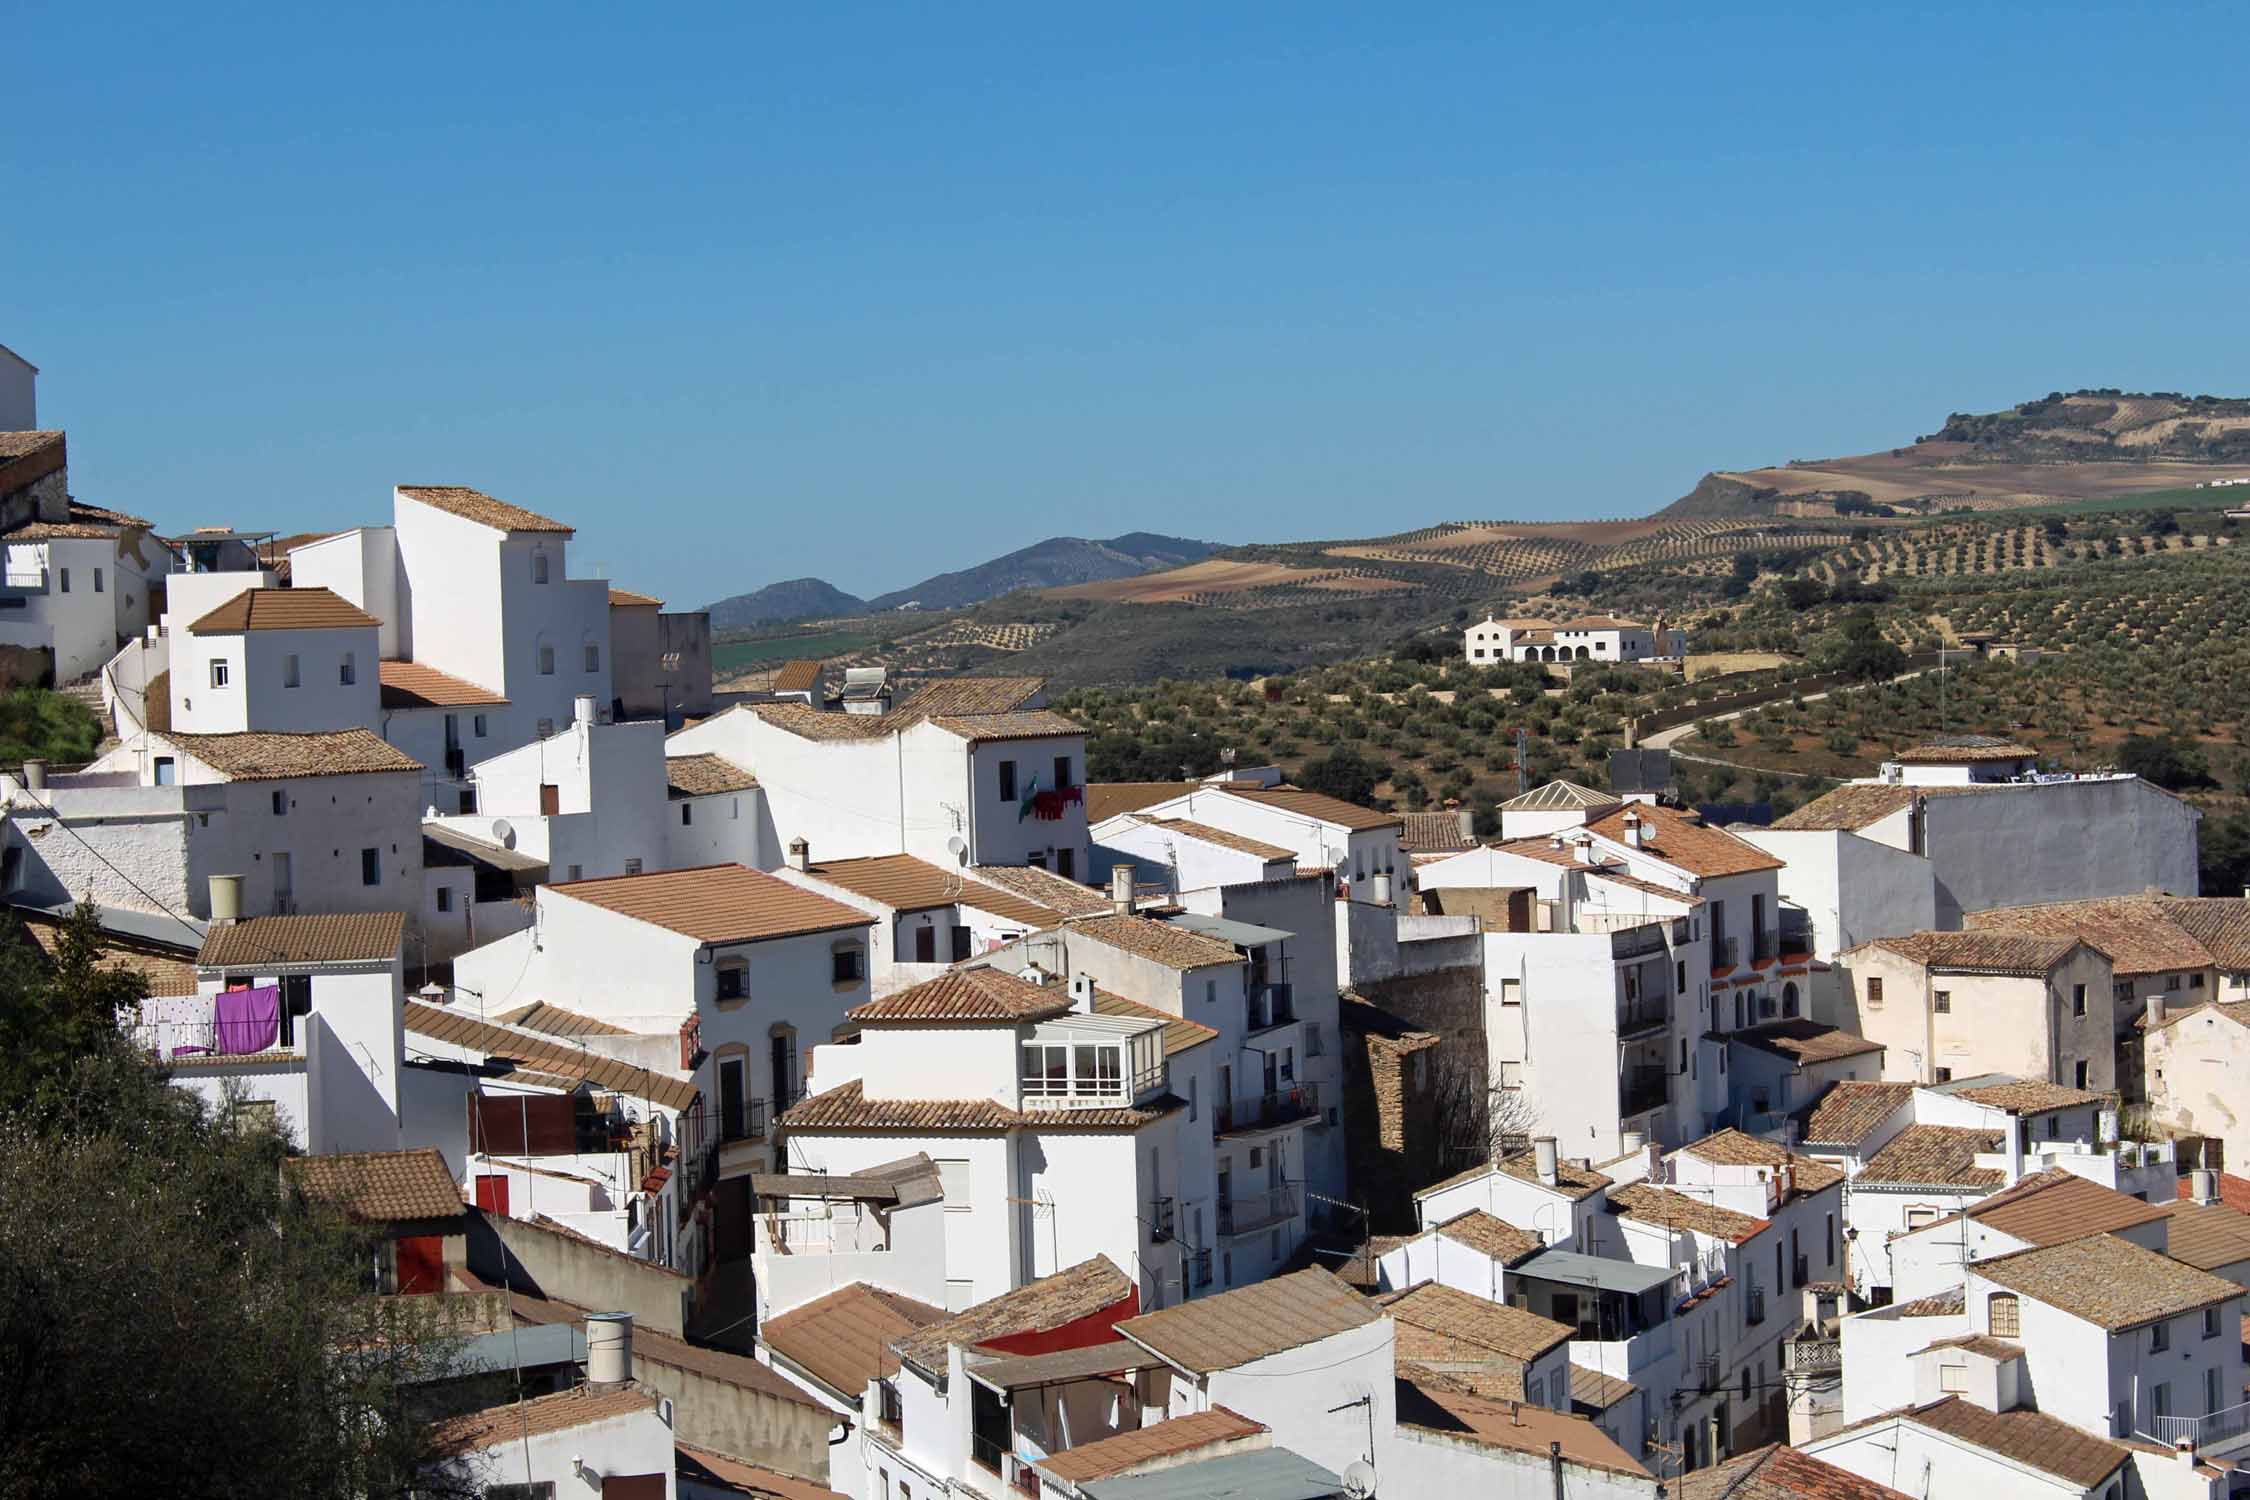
(734, 980)
(848, 965)
(632, 867)
(1942, 1002)
(218, 673)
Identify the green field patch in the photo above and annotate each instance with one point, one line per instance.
(734, 656)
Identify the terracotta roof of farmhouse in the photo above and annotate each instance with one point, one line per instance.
(1076, 1292)
(972, 995)
(1317, 805)
(285, 609)
(1156, 1442)
(1434, 833)
(844, 1339)
(627, 599)
(1962, 749)
(2050, 1207)
(1179, 1033)
(847, 1107)
(264, 755)
(1543, 848)
(1934, 1156)
(1779, 1472)
(2017, 954)
(1805, 1041)
(495, 1425)
(1219, 837)
(1491, 1235)
(1848, 808)
(2106, 1280)
(1685, 841)
(796, 676)
(1645, 1204)
(905, 883)
(704, 775)
(475, 505)
(379, 1186)
(2031, 1438)
(2137, 933)
(1023, 724)
(1849, 1111)
(565, 1063)
(162, 971)
(1106, 799)
(2220, 923)
(1467, 1327)
(716, 903)
(969, 695)
(410, 684)
(1045, 888)
(1517, 1427)
(328, 938)
(1158, 942)
(1253, 1322)
(1571, 1180)
(2020, 1096)
(1731, 1147)
(2206, 1235)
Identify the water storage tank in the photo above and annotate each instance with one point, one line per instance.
(609, 1348)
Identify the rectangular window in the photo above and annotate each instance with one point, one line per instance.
(734, 979)
(347, 670)
(280, 804)
(734, 1092)
(218, 673)
(2159, 1337)
(2171, 983)
(1066, 863)
(478, 722)
(1007, 781)
(97, 580)
(1953, 1377)
(289, 673)
(632, 867)
(370, 867)
(1874, 994)
(2078, 999)
(64, 574)
(538, 567)
(1944, 1075)
(687, 814)
(593, 657)
(2210, 1322)
(1062, 772)
(445, 898)
(847, 965)
(546, 661)
(2082, 1074)
(1942, 1002)
(2160, 1399)
(546, 729)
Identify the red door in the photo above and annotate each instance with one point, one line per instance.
(421, 1263)
(492, 1193)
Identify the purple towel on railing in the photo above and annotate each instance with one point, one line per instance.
(246, 1020)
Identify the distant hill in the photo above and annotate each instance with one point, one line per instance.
(2086, 445)
(1049, 564)
(797, 599)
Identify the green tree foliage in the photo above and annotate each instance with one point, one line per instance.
(1342, 773)
(2225, 855)
(2169, 763)
(39, 725)
(1857, 648)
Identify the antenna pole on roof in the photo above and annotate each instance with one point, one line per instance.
(1520, 787)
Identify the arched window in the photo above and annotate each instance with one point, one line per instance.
(2000, 1316)
(1583, 653)
(546, 656)
(1789, 998)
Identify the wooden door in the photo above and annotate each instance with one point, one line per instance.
(421, 1263)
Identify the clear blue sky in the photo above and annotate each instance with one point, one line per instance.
(866, 293)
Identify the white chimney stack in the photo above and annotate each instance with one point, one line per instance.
(1585, 846)
(35, 776)
(1121, 889)
(1636, 832)
(2156, 1012)
(1382, 888)
(2203, 1186)
(609, 1349)
(582, 708)
(226, 899)
(1082, 993)
(800, 855)
(1543, 1159)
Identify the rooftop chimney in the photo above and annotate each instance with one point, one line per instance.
(582, 708)
(226, 899)
(2156, 1010)
(800, 854)
(2203, 1186)
(1082, 993)
(609, 1349)
(1382, 885)
(1543, 1159)
(1585, 846)
(1636, 832)
(35, 777)
(1468, 820)
(1121, 889)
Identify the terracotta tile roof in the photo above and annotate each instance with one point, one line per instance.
(2052, 1206)
(1045, 888)
(972, 995)
(1252, 1322)
(410, 684)
(705, 776)
(2234, 1191)
(1563, 796)
(262, 755)
(1490, 1235)
(710, 1470)
(1518, 1428)
(86, 523)
(2207, 1235)
(1849, 808)
(1106, 799)
(1602, 622)
(1731, 1147)
(555, 1021)
(843, 1340)
(904, 883)
(1179, 1033)
(717, 903)
(498, 1425)
(1025, 724)
(1205, 833)
(537, 1053)
(285, 609)
(2237, 1011)
(1469, 1328)
(1317, 805)
(1592, 1391)
(162, 974)
(379, 1186)
(1934, 1156)
(2024, 1096)
(847, 1107)
(1963, 749)
(1433, 833)
(1542, 848)
(1686, 842)
(2031, 1438)
(1805, 1041)
(2220, 923)
(1976, 1343)
(2022, 955)
(1848, 1112)
(1775, 1472)
(1158, 942)
(2135, 931)
(1076, 1292)
(333, 938)
(1171, 1439)
(475, 505)
(970, 695)
(808, 723)
(1573, 1182)
(1943, 1304)
(2106, 1280)
(796, 676)
(627, 599)
(1667, 1209)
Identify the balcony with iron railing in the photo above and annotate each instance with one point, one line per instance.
(212, 1028)
(1247, 1213)
(1754, 1306)
(1637, 941)
(1640, 1013)
(746, 1124)
(1268, 1111)
(2225, 1428)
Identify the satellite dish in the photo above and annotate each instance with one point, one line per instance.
(1359, 1479)
(504, 833)
(958, 847)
